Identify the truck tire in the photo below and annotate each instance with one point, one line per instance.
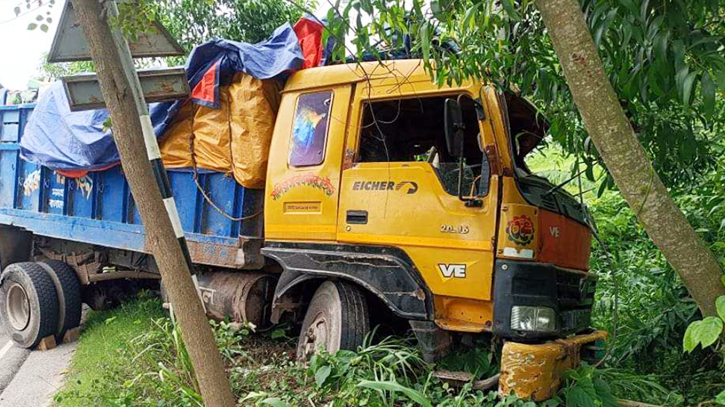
(68, 288)
(28, 304)
(337, 318)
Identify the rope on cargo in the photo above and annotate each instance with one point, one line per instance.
(195, 176)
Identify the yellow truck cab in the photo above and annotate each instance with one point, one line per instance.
(384, 188)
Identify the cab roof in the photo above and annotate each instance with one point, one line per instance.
(411, 69)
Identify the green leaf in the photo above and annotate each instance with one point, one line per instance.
(687, 87)
(720, 398)
(602, 188)
(274, 402)
(605, 393)
(710, 331)
(708, 93)
(414, 395)
(425, 41)
(32, 26)
(722, 280)
(661, 42)
(44, 28)
(720, 305)
(17, 11)
(586, 384)
(469, 20)
(721, 79)
(322, 374)
(630, 5)
(688, 342)
(508, 6)
(704, 332)
(578, 397)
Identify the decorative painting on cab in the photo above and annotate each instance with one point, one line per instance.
(307, 145)
(520, 230)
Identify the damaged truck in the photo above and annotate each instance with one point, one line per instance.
(340, 198)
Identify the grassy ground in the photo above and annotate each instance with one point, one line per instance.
(134, 356)
(101, 360)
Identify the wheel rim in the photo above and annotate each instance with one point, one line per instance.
(18, 307)
(316, 336)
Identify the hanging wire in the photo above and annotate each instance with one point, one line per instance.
(607, 254)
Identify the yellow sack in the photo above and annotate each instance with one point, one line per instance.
(233, 139)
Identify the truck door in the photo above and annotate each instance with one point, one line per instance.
(303, 176)
(401, 189)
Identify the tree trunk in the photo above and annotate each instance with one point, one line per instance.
(625, 157)
(160, 237)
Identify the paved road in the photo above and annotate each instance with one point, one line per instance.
(30, 379)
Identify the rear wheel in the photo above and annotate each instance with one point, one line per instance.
(68, 288)
(337, 318)
(28, 304)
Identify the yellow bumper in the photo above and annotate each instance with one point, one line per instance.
(533, 372)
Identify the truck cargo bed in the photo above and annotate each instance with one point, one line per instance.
(99, 209)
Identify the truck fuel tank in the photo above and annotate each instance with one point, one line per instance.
(242, 296)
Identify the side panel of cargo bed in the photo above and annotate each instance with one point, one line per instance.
(99, 209)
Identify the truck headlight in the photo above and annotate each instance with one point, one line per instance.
(539, 319)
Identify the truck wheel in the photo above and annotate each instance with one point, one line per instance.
(68, 288)
(337, 318)
(28, 304)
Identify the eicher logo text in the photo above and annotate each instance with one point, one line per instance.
(410, 187)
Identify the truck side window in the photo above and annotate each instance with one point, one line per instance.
(309, 130)
(408, 130)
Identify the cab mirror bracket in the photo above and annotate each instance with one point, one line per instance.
(454, 129)
(453, 119)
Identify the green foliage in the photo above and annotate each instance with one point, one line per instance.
(52, 72)
(585, 389)
(135, 18)
(192, 22)
(654, 309)
(41, 9)
(135, 357)
(663, 58)
(478, 361)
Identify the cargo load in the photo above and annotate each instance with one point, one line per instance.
(225, 126)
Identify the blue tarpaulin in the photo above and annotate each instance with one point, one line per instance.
(65, 140)
(214, 64)
(61, 140)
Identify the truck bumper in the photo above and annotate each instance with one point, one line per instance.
(533, 372)
(569, 294)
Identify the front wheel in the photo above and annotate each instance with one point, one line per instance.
(337, 318)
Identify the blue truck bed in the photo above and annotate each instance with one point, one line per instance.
(98, 209)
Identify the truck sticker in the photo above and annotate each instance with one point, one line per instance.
(453, 270)
(310, 180)
(385, 186)
(85, 184)
(31, 183)
(521, 254)
(520, 230)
